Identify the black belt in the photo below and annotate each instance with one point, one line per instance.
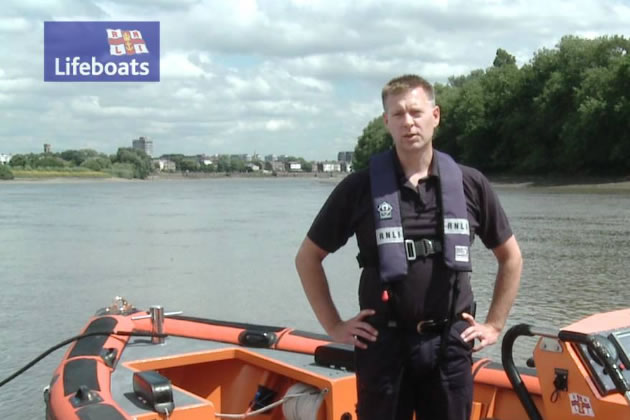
(427, 326)
(431, 326)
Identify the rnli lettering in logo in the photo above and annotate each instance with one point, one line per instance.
(456, 227)
(101, 51)
(384, 210)
(391, 235)
(581, 405)
(126, 42)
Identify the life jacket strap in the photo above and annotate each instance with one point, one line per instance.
(414, 249)
(421, 248)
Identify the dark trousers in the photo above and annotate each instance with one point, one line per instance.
(399, 374)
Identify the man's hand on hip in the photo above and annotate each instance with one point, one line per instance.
(355, 331)
(487, 334)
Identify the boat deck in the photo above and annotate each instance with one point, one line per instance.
(177, 352)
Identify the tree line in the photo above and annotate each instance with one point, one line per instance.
(126, 163)
(565, 112)
(130, 163)
(227, 163)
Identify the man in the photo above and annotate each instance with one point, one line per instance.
(415, 213)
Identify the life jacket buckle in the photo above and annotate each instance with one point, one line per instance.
(421, 248)
(410, 249)
(428, 247)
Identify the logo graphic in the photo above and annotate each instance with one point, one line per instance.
(102, 51)
(384, 210)
(126, 42)
(461, 253)
(581, 405)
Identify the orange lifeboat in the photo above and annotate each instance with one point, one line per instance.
(126, 368)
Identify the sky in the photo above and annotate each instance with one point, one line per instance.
(292, 77)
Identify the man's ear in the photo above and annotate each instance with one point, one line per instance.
(436, 115)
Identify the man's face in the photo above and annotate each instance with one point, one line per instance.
(411, 119)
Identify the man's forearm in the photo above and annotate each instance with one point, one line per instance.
(315, 285)
(506, 285)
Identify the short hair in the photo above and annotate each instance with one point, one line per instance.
(405, 83)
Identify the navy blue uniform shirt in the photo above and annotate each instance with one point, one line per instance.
(424, 294)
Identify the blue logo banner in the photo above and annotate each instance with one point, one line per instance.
(102, 51)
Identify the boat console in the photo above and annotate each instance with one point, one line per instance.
(584, 369)
(617, 344)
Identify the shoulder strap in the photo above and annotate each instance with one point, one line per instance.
(386, 212)
(456, 229)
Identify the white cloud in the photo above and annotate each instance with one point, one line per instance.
(14, 25)
(4, 98)
(16, 85)
(186, 93)
(178, 65)
(299, 77)
(276, 125)
(248, 88)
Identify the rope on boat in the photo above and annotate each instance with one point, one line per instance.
(308, 408)
(70, 340)
(305, 408)
(303, 401)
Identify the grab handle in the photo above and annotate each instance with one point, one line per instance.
(157, 315)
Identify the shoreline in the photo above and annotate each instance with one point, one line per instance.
(619, 184)
(562, 183)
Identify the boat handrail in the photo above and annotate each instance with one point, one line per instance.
(510, 368)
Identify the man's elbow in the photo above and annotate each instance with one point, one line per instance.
(509, 255)
(299, 258)
(308, 254)
(517, 256)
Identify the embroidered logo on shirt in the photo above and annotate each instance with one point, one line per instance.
(385, 210)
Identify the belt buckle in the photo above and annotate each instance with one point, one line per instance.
(410, 249)
(427, 247)
(420, 324)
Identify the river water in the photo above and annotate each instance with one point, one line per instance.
(224, 249)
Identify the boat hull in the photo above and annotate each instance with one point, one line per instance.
(216, 368)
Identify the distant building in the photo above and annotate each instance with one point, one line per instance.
(143, 144)
(243, 157)
(252, 167)
(329, 167)
(345, 156)
(47, 148)
(4, 159)
(294, 166)
(206, 161)
(270, 158)
(165, 165)
(277, 166)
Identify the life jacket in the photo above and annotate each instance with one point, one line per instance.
(390, 240)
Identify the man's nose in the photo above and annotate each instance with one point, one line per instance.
(407, 120)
